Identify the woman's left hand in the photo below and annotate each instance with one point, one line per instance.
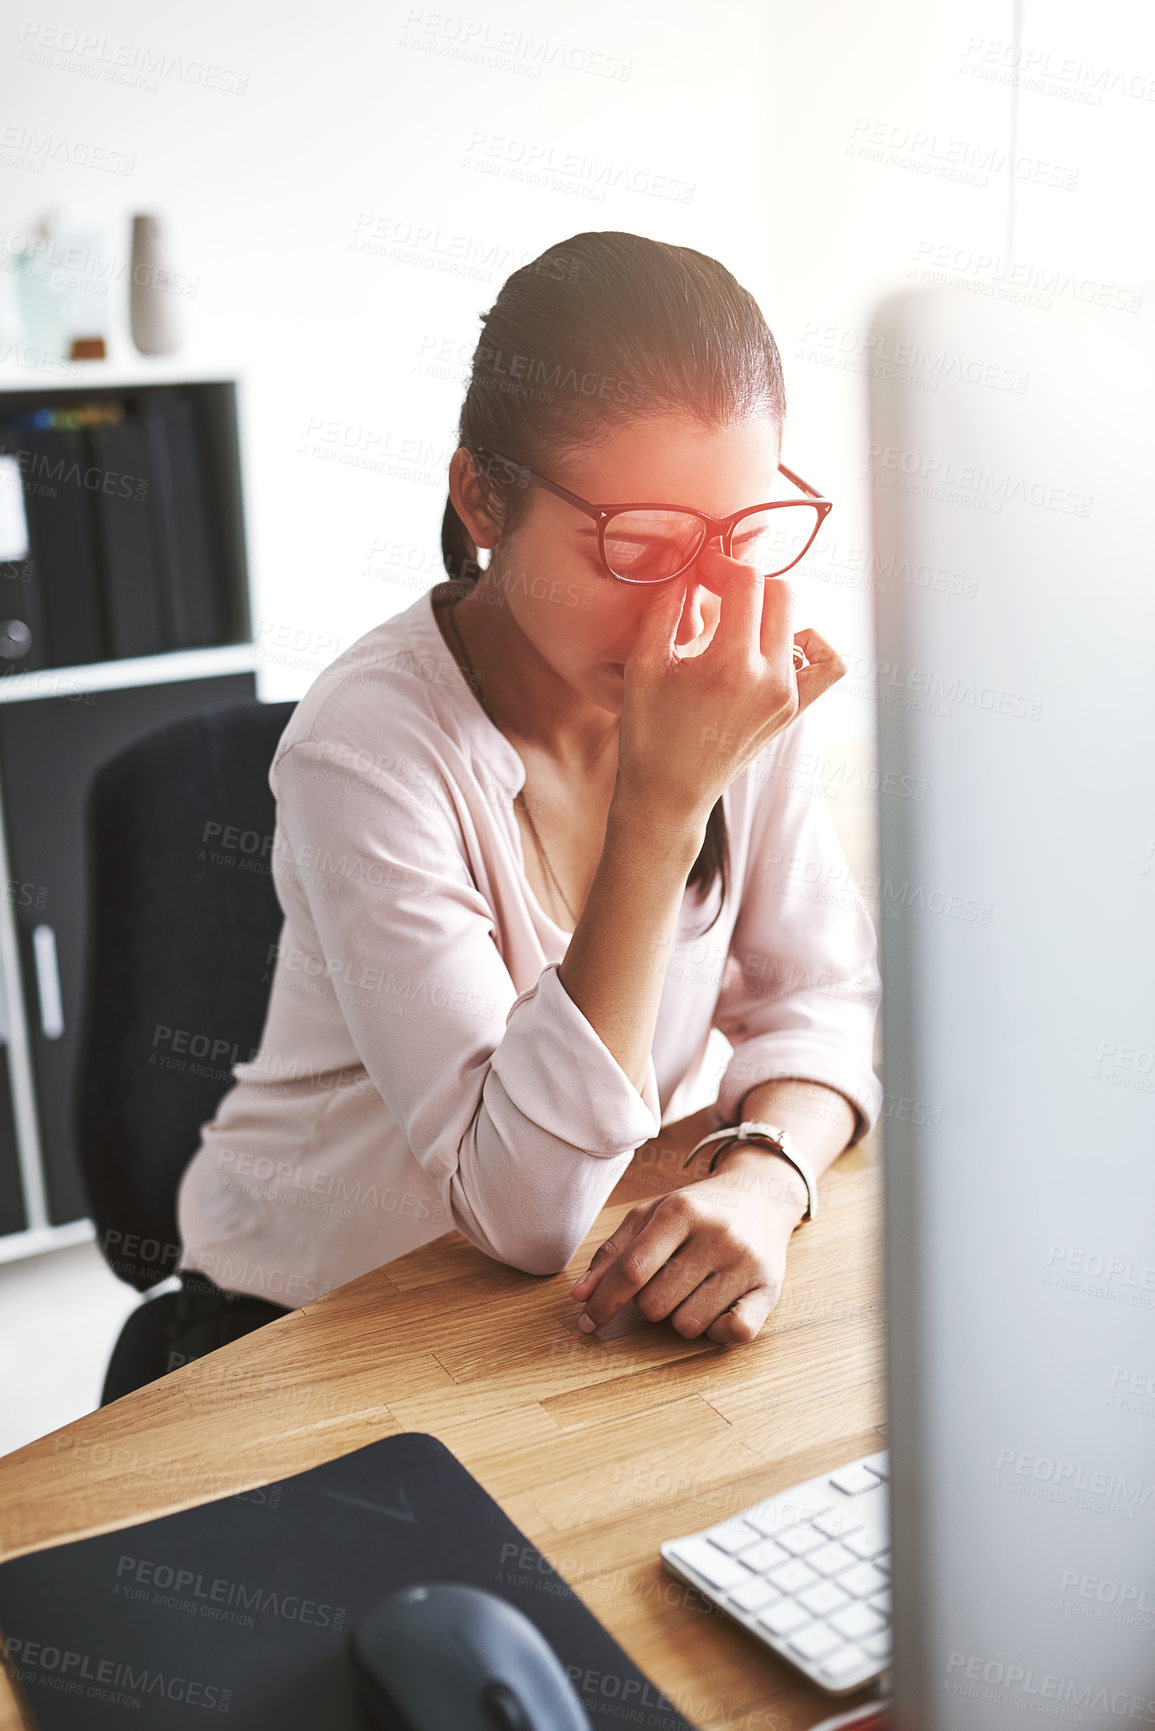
(711, 1256)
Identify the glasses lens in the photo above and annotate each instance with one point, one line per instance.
(647, 546)
(772, 540)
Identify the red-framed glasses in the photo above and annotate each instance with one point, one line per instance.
(649, 543)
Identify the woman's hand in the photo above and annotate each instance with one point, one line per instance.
(710, 1257)
(692, 721)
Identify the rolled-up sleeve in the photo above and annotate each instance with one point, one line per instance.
(801, 994)
(509, 1100)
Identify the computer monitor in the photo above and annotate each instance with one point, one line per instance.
(1012, 456)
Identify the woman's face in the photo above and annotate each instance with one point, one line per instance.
(580, 620)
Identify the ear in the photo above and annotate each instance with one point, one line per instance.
(468, 500)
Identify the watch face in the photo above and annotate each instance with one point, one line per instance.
(768, 1131)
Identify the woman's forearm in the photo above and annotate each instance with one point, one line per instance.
(818, 1120)
(615, 966)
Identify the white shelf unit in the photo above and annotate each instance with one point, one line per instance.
(84, 380)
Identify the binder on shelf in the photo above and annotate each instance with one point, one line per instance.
(131, 505)
(23, 627)
(129, 554)
(190, 609)
(58, 498)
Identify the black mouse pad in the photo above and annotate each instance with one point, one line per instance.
(236, 1613)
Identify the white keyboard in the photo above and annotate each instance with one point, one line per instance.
(807, 1572)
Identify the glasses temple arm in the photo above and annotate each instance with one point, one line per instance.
(599, 512)
(550, 486)
(798, 481)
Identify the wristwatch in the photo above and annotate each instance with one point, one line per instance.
(751, 1130)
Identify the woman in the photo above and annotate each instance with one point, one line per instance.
(503, 817)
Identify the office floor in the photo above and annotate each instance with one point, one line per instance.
(59, 1317)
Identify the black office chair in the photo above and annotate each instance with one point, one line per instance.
(182, 920)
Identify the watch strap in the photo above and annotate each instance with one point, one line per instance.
(750, 1130)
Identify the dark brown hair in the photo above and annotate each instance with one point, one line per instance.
(600, 330)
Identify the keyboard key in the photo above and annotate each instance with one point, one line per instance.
(836, 1523)
(791, 1577)
(878, 1646)
(764, 1556)
(799, 1540)
(832, 1558)
(768, 1518)
(824, 1598)
(755, 1595)
(879, 1463)
(841, 1666)
(867, 1544)
(783, 1619)
(712, 1564)
(857, 1621)
(733, 1536)
(815, 1642)
(882, 1602)
(774, 1515)
(863, 1581)
(855, 1479)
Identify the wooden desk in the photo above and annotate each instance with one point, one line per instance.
(597, 1449)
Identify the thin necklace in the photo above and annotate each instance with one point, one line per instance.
(475, 686)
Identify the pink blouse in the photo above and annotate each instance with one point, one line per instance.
(422, 1067)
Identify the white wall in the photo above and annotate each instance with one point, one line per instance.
(349, 189)
(366, 122)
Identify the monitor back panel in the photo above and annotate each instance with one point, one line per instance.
(1016, 680)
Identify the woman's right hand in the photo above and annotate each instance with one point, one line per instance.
(691, 723)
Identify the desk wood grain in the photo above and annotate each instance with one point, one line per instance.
(597, 1448)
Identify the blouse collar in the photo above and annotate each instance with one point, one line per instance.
(483, 736)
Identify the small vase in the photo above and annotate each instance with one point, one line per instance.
(153, 312)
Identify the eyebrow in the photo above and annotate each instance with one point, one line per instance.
(589, 532)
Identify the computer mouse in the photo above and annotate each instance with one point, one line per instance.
(444, 1656)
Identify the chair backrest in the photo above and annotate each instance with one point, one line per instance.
(182, 923)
